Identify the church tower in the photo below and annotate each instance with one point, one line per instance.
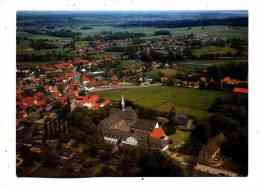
(123, 103)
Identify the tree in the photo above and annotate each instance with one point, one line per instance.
(170, 126)
(82, 93)
(61, 88)
(87, 125)
(198, 138)
(108, 171)
(221, 123)
(40, 88)
(162, 32)
(232, 120)
(154, 163)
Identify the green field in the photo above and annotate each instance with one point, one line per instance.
(213, 50)
(170, 73)
(179, 137)
(190, 101)
(222, 31)
(42, 36)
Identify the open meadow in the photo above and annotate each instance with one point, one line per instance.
(191, 101)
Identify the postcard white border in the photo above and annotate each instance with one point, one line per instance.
(7, 81)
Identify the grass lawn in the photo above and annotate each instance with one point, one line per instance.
(190, 101)
(179, 137)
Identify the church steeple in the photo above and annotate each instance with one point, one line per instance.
(123, 103)
(157, 125)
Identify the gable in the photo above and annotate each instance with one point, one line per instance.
(157, 133)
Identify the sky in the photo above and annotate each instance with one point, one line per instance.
(129, 4)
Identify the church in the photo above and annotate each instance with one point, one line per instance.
(124, 127)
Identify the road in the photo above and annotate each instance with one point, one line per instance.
(214, 171)
(101, 89)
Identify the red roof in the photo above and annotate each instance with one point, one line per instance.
(37, 100)
(39, 95)
(157, 133)
(27, 102)
(18, 92)
(68, 75)
(86, 78)
(80, 61)
(46, 88)
(240, 90)
(64, 65)
(75, 83)
(79, 98)
(39, 103)
(106, 102)
(114, 82)
(46, 67)
(93, 98)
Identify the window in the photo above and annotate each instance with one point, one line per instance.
(131, 141)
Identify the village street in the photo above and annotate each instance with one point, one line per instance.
(214, 171)
(100, 89)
